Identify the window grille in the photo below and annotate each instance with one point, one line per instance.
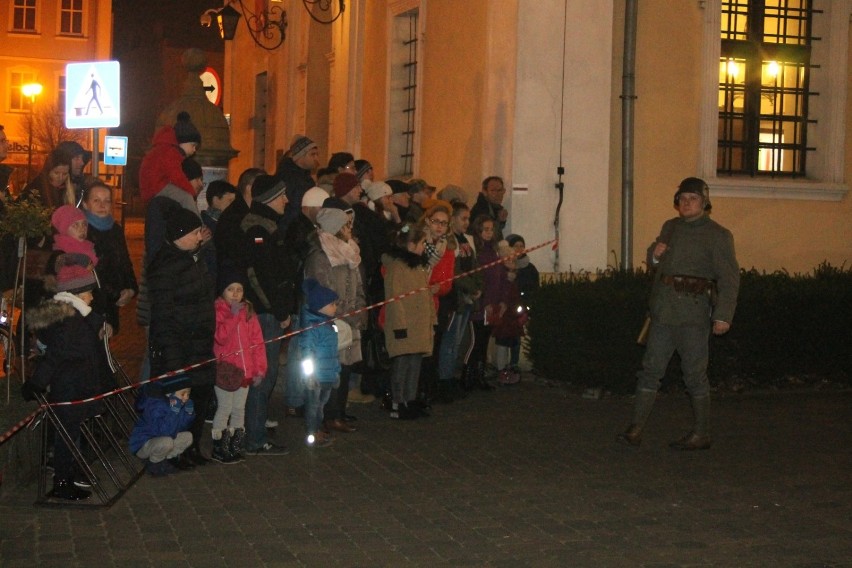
(764, 73)
(71, 17)
(24, 16)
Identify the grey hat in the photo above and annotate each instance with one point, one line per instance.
(301, 145)
(331, 220)
(266, 188)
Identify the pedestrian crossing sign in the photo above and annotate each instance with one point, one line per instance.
(92, 95)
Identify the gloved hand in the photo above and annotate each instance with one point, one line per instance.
(29, 390)
(235, 308)
(255, 381)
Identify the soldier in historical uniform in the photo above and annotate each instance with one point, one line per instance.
(696, 281)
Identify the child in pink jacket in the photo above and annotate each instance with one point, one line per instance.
(241, 362)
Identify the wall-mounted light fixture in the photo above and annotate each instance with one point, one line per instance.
(268, 26)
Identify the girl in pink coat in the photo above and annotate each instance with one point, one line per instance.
(241, 362)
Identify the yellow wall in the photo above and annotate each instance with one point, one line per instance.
(770, 234)
(453, 94)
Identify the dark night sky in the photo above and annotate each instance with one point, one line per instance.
(148, 38)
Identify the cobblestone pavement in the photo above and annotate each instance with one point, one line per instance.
(524, 476)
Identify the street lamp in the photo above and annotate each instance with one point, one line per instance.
(31, 90)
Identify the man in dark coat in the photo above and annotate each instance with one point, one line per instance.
(696, 282)
(294, 170)
(183, 320)
(272, 271)
(490, 203)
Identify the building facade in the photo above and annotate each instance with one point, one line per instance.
(38, 38)
(751, 95)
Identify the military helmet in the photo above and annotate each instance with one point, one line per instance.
(697, 186)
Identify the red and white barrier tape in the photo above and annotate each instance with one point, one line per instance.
(176, 372)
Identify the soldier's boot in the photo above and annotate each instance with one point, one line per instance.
(641, 410)
(699, 438)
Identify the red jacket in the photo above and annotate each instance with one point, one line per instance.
(446, 268)
(235, 334)
(161, 165)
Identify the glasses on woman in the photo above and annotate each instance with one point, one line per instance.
(439, 223)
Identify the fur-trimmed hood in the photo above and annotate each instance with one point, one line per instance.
(406, 256)
(47, 313)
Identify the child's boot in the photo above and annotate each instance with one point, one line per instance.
(237, 440)
(222, 448)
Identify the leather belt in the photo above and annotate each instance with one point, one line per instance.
(688, 284)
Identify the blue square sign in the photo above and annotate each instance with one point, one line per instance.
(115, 150)
(92, 95)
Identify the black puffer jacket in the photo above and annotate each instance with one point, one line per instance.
(73, 365)
(183, 320)
(115, 270)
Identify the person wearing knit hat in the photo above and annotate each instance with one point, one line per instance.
(347, 187)
(161, 171)
(364, 172)
(180, 224)
(72, 366)
(267, 189)
(72, 228)
(318, 349)
(74, 274)
(188, 136)
(182, 320)
(160, 435)
(335, 261)
(377, 190)
(295, 170)
(301, 146)
(65, 216)
(314, 197)
(331, 220)
(272, 262)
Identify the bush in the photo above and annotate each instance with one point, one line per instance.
(583, 329)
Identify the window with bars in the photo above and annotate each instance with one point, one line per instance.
(403, 94)
(71, 17)
(24, 16)
(17, 100)
(764, 74)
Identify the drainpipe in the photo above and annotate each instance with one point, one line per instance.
(628, 103)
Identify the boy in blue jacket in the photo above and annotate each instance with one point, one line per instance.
(161, 435)
(320, 364)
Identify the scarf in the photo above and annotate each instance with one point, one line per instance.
(338, 251)
(99, 223)
(522, 262)
(69, 244)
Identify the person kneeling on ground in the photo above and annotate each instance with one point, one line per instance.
(161, 434)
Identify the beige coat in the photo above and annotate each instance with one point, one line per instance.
(408, 322)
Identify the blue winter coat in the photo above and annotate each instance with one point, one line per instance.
(320, 344)
(159, 418)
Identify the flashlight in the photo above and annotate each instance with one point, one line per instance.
(311, 439)
(308, 367)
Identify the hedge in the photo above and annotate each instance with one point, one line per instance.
(583, 329)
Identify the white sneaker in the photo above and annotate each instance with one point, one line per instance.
(272, 424)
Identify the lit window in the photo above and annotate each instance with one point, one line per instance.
(17, 100)
(71, 17)
(24, 15)
(764, 75)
